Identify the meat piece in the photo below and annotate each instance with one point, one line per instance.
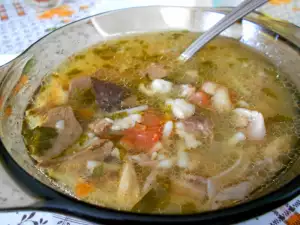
(96, 152)
(199, 124)
(67, 135)
(185, 188)
(95, 143)
(100, 126)
(155, 71)
(108, 95)
(129, 102)
(237, 192)
(79, 83)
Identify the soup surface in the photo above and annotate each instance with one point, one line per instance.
(124, 125)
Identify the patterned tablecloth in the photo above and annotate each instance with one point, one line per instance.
(21, 25)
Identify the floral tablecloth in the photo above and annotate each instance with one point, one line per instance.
(21, 25)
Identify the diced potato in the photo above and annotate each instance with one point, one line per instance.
(33, 119)
(54, 95)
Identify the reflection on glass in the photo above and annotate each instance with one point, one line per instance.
(176, 17)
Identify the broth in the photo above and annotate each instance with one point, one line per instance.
(125, 126)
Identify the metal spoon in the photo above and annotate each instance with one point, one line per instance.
(237, 13)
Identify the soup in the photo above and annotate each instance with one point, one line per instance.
(124, 125)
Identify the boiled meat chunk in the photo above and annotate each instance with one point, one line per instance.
(67, 134)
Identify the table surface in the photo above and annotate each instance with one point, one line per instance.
(20, 27)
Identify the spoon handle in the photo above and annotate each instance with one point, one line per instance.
(237, 13)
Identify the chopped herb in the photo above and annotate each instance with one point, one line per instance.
(278, 118)
(39, 139)
(106, 53)
(82, 97)
(212, 47)
(270, 71)
(209, 64)
(176, 36)
(269, 92)
(79, 57)
(99, 170)
(74, 71)
(107, 66)
(145, 45)
(98, 51)
(122, 152)
(152, 58)
(123, 42)
(50, 29)
(55, 75)
(106, 57)
(82, 139)
(188, 207)
(119, 115)
(243, 60)
(206, 67)
(28, 66)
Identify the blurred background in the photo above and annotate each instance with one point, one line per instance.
(22, 22)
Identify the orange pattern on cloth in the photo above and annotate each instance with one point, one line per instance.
(61, 11)
(83, 7)
(279, 2)
(294, 220)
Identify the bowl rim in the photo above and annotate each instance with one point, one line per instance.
(236, 213)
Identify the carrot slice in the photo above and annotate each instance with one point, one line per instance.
(83, 189)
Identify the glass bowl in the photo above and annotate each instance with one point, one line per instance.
(20, 78)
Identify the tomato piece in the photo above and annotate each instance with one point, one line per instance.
(145, 141)
(141, 140)
(142, 137)
(200, 98)
(132, 132)
(127, 143)
(151, 118)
